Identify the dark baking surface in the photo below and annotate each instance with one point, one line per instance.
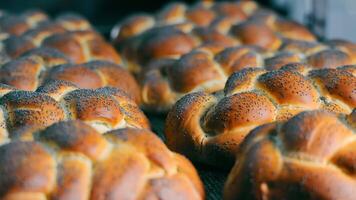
(212, 178)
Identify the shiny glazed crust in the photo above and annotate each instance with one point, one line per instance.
(104, 109)
(311, 156)
(71, 160)
(183, 49)
(210, 127)
(40, 65)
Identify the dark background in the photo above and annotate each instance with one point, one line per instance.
(103, 14)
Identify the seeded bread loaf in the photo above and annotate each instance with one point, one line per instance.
(185, 49)
(311, 156)
(37, 66)
(104, 109)
(210, 127)
(71, 160)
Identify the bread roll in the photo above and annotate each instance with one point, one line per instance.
(104, 109)
(210, 127)
(71, 160)
(311, 156)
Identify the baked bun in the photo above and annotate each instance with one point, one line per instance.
(104, 109)
(210, 127)
(39, 65)
(311, 156)
(71, 160)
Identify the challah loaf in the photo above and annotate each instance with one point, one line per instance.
(186, 49)
(166, 80)
(71, 160)
(210, 127)
(311, 156)
(39, 65)
(18, 24)
(104, 109)
(178, 28)
(69, 33)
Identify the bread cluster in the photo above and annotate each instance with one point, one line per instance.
(243, 88)
(71, 160)
(187, 49)
(69, 33)
(311, 156)
(104, 109)
(36, 49)
(40, 65)
(210, 127)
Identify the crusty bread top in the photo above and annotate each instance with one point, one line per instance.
(209, 127)
(71, 160)
(311, 156)
(104, 108)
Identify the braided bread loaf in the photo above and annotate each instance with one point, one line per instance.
(69, 33)
(39, 65)
(176, 52)
(178, 29)
(104, 109)
(166, 80)
(210, 127)
(18, 24)
(71, 160)
(311, 156)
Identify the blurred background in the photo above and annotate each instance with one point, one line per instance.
(327, 18)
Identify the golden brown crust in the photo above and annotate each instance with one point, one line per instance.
(344, 45)
(200, 15)
(164, 42)
(209, 127)
(293, 30)
(72, 44)
(39, 65)
(339, 84)
(14, 46)
(131, 26)
(21, 73)
(30, 109)
(208, 35)
(186, 74)
(104, 109)
(308, 157)
(302, 47)
(231, 10)
(329, 59)
(252, 33)
(172, 13)
(231, 36)
(165, 83)
(73, 161)
(280, 59)
(69, 33)
(289, 88)
(73, 22)
(237, 58)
